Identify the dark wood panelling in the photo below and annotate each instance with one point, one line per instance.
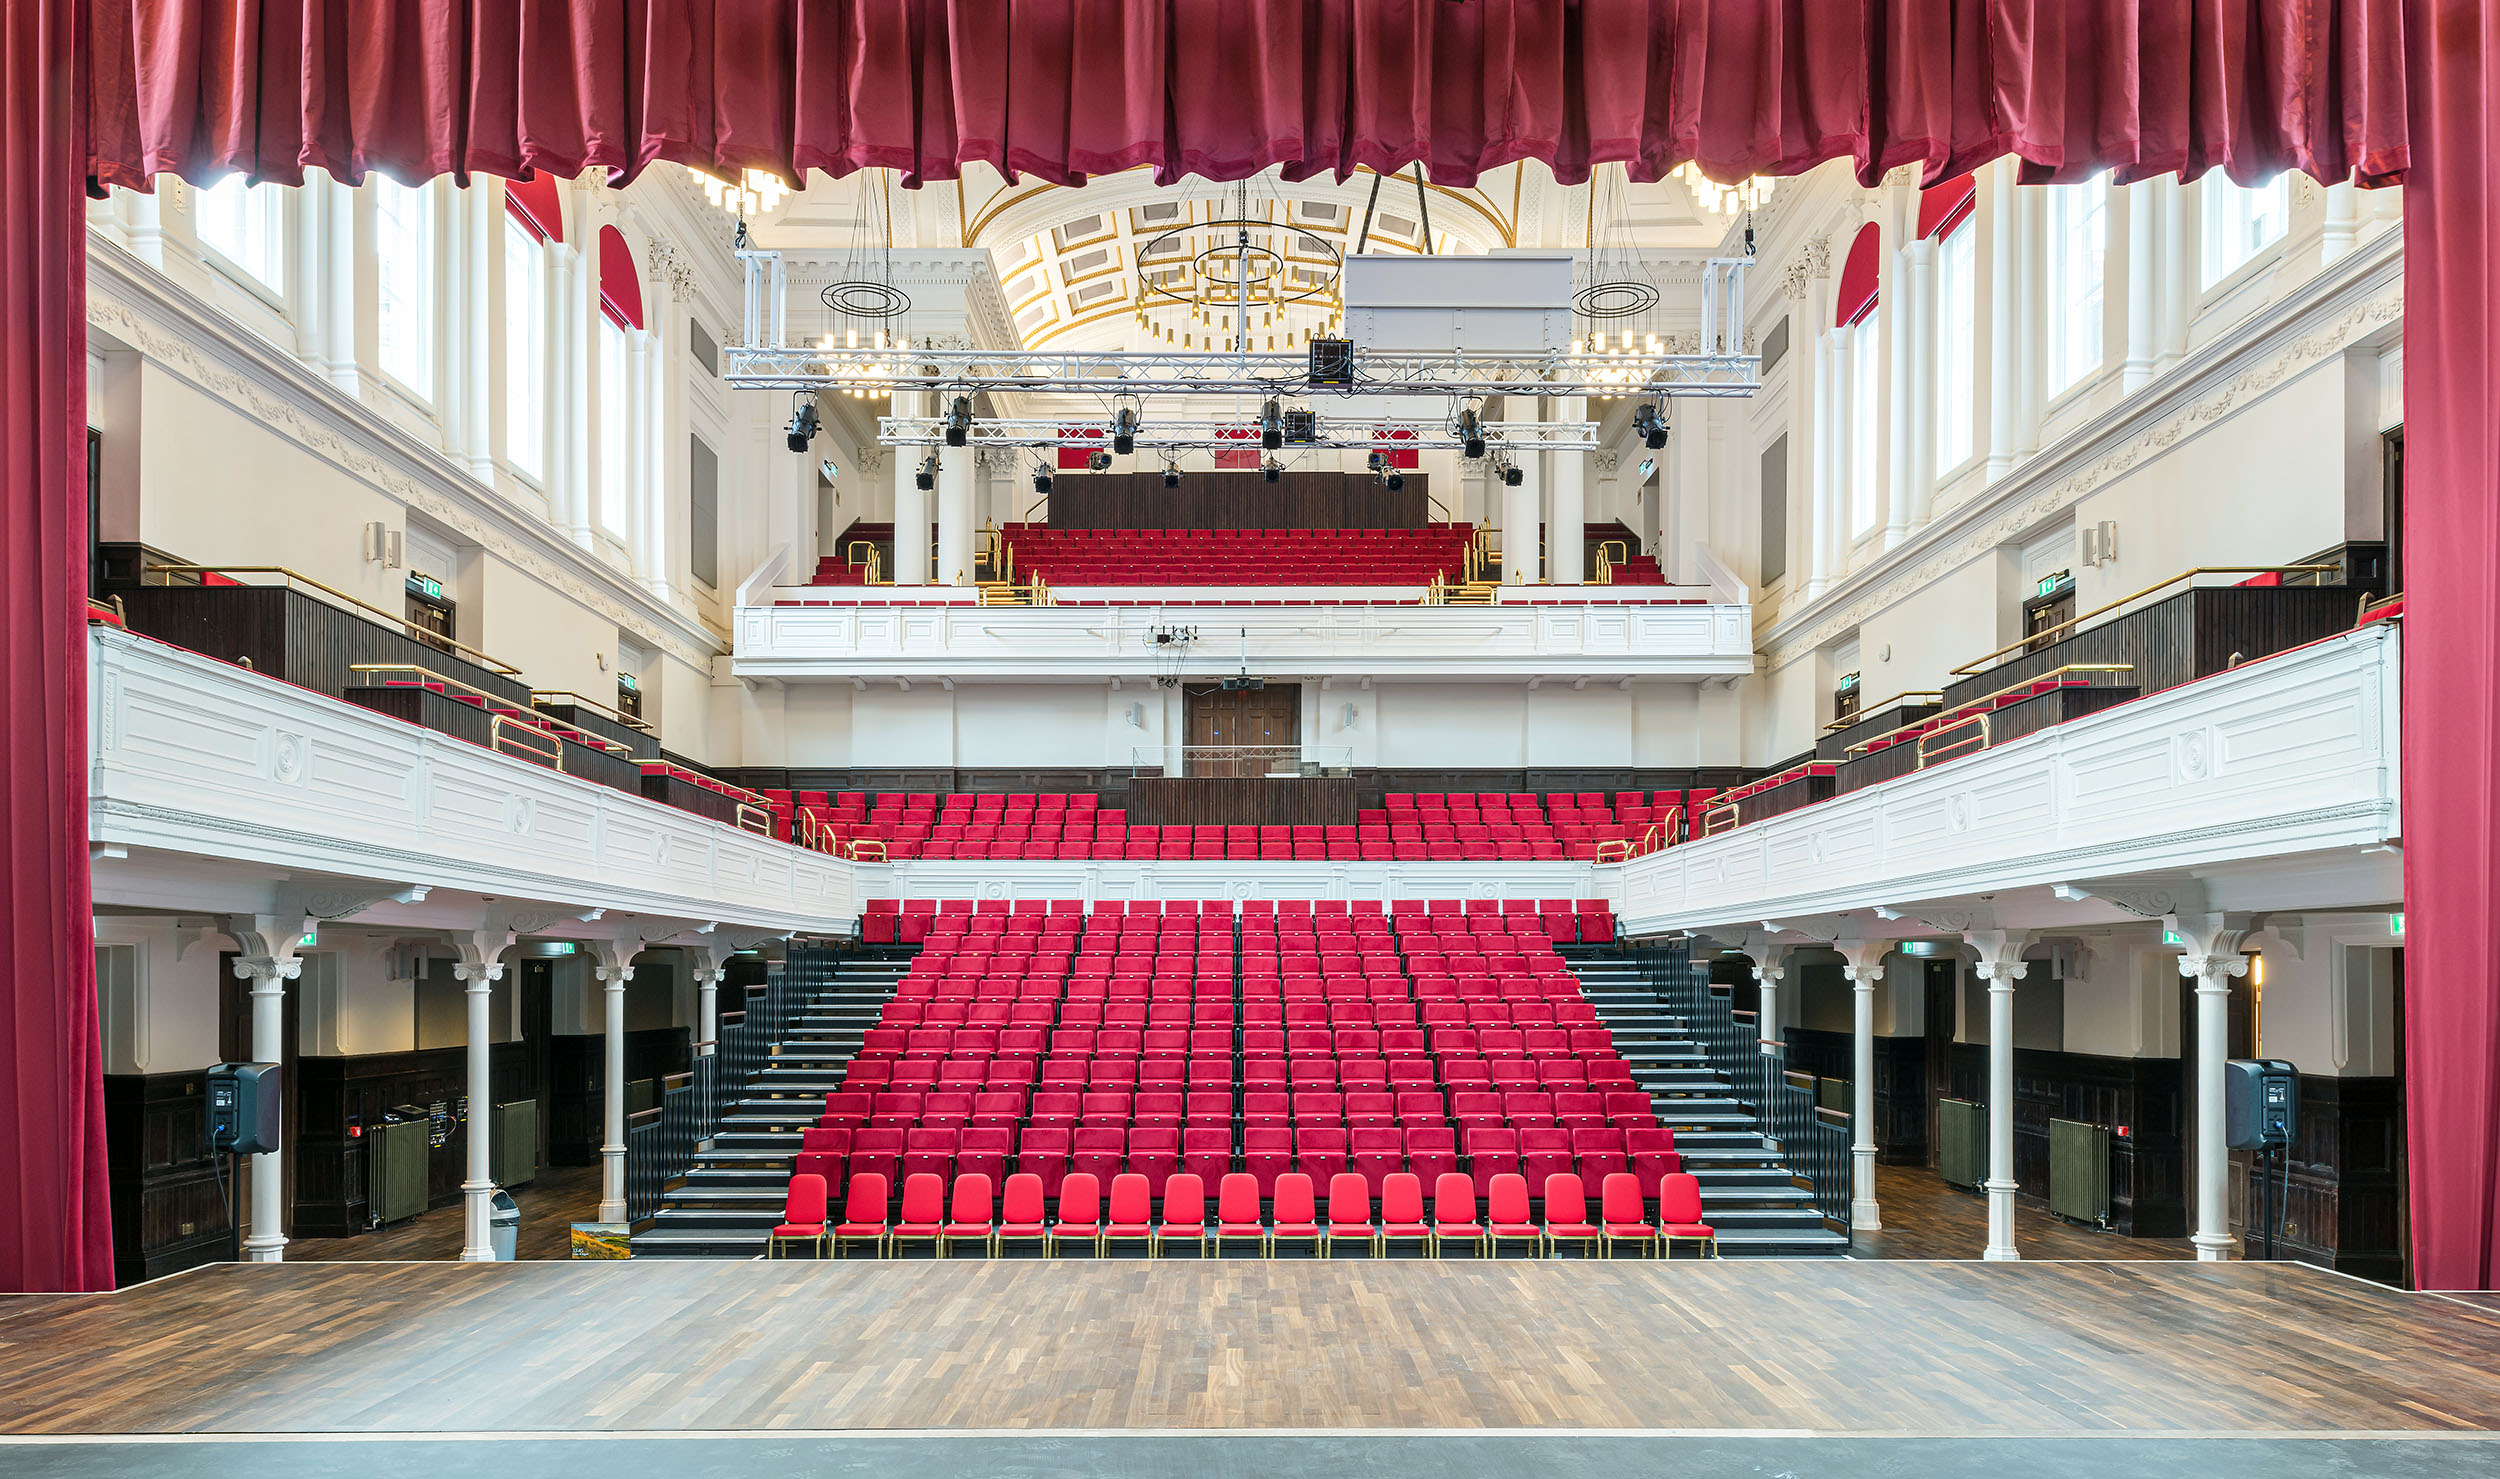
(1265, 801)
(168, 1211)
(340, 1098)
(1371, 782)
(1236, 500)
(2138, 1098)
(2342, 1211)
(576, 1100)
(2194, 634)
(292, 635)
(2001, 726)
(1788, 796)
(642, 743)
(1834, 745)
(446, 715)
(1900, 1086)
(685, 795)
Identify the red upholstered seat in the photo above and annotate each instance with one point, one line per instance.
(802, 1215)
(1296, 1213)
(968, 1215)
(1402, 1211)
(1454, 1214)
(1021, 1215)
(863, 1214)
(1349, 1213)
(923, 1215)
(1184, 1213)
(1566, 1215)
(1237, 1212)
(1506, 1216)
(1131, 1215)
(1621, 1217)
(1679, 1214)
(1080, 1206)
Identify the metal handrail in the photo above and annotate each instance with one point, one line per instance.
(1973, 668)
(1606, 564)
(420, 633)
(1837, 725)
(875, 560)
(584, 737)
(567, 695)
(1653, 838)
(1932, 720)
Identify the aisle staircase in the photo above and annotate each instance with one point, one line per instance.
(732, 1196)
(1760, 1207)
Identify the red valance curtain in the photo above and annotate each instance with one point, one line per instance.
(114, 92)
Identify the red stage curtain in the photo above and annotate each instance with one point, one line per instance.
(2451, 730)
(55, 1227)
(1223, 88)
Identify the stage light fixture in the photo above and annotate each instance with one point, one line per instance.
(1041, 480)
(1097, 460)
(1271, 470)
(959, 421)
(803, 421)
(1377, 461)
(1171, 477)
(1470, 432)
(1397, 482)
(1271, 427)
(926, 477)
(1653, 431)
(1124, 431)
(1512, 477)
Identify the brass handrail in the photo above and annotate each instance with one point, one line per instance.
(1606, 564)
(422, 634)
(596, 742)
(592, 704)
(1655, 836)
(875, 561)
(1838, 725)
(1971, 669)
(1933, 719)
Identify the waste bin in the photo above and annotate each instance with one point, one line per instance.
(504, 1226)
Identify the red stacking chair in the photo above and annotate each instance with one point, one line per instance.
(1402, 1212)
(1237, 1212)
(923, 1216)
(802, 1215)
(1131, 1215)
(1020, 1213)
(1296, 1211)
(1566, 1216)
(1184, 1214)
(1620, 1217)
(1506, 1216)
(1454, 1213)
(863, 1214)
(968, 1216)
(1080, 1207)
(1679, 1214)
(1653, 1156)
(1349, 1214)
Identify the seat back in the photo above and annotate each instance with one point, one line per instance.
(1130, 1202)
(1296, 1201)
(1506, 1199)
(972, 1198)
(1401, 1197)
(1237, 1198)
(1021, 1201)
(1349, 1199)
(924, 1196)
(1679, 1196)
(1453, 1197)
(1565, 1199)
(1080, 1197)
(1619, 1196)
(805, 1204)
(1185, 1200)
(865, 1201)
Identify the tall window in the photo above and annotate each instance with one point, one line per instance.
(2078, 241)
(403, 249)
(2241, 223)
(524, 348)
(1863, 427)
(616, 434)
(1957, 345)
(246, 224)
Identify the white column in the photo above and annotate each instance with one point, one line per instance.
(2181, 263)
(954, 552)
(1566, 560)
(2143, 205)
(612, 1151)
(266, 1240)
(1865, 965)
(2000, 976)
(2007, 310)
(478, 1191)
(1520, 565)
(1767, 973)
(707, 995)
(911, 506)
(2211, 958)
(1914, 416)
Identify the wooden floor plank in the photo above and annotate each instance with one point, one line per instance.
(1957, 1348)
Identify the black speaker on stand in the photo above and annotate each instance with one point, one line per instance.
(243, 1119)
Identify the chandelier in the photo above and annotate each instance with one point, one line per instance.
(754, 192)
(1241, 281)
(1745, 195)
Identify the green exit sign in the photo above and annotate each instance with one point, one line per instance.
(425, 585)
(626, 682)
(2173, 937)
(2396, 924)
(304, 943)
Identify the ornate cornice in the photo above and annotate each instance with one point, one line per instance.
(2322, 319)
(162, 320)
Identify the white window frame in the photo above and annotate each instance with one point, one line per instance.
(2240, 224)
(2077, 239)
(1862, 380)
(1957, 346)
(243, 226)
(614, 351)
(525, 349)
(405, 261)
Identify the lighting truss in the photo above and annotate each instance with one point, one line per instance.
(1164, 434)
(766, 359)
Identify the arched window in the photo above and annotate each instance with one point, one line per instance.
(620, 316)
(2241, 223)
(246, 225)
(1944, 217)
(532, 214)
(2078, 240)
(403, 250)
(1861, 377)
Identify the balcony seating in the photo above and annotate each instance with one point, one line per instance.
(1237, 557)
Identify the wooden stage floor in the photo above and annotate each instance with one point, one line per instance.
(1962, 1350)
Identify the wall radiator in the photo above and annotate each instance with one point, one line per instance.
(1961, 1143)
(398, 1161)
(2079, 1171)
(515, 1142)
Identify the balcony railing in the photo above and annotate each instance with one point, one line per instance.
(1206, 761)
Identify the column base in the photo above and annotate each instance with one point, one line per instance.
(2213, 1247)
(1866, 1217)
(2000, 1255)
(264, 1250)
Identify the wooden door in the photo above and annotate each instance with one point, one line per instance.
(1242, 731)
